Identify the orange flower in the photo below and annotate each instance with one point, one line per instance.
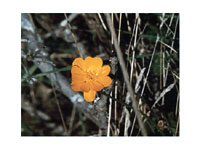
(89, 76)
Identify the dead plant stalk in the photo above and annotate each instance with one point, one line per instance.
(125, 74)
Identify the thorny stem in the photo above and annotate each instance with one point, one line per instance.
(125, 74)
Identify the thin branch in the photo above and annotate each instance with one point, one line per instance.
(115, 110)
(171, 48)
(177, 103)
(109, 115)
(59, 109)
(74, 37)
(127, 115)
(72, 120)
(177, 126)
(102, 22)
(128, 23)
(120, 22)
(134, 46)
(125, 74)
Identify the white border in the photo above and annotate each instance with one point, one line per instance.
(11, 65)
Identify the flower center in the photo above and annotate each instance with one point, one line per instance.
(90, 76)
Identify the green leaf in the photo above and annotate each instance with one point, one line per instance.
(31, 71)
(49, 72)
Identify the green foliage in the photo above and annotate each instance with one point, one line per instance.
(47, 73)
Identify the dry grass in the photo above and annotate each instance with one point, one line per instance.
(143, 52)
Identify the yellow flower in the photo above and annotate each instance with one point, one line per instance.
(89, 76)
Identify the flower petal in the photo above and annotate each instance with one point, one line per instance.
(105, 80)
(96, 86)
(78, 74)
(89, 96)
(85, 87)
(78, 78)
(76, 86)
(79, 62)
(77, 70)
(93, 64)
(88, 61)
(105, 70)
